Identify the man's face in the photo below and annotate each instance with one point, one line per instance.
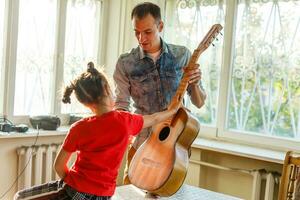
(147, 33)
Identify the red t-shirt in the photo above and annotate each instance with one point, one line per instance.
(100, 142)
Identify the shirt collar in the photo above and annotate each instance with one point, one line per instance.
(165, 49)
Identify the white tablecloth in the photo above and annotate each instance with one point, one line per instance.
(186, 192)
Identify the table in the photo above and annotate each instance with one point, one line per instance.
(186, 192)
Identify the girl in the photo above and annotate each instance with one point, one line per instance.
(99, 142)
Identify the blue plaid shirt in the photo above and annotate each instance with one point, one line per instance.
(150, 85)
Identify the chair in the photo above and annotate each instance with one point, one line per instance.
(290, 183)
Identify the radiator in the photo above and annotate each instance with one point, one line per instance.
(270, 180)
(35, 164)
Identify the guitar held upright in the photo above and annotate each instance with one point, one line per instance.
(160, 164)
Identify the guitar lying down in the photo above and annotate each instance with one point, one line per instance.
(160, 164)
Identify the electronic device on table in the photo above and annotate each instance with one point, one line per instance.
(46, 122)
(8, 126)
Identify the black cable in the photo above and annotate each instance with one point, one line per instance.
(22, 171)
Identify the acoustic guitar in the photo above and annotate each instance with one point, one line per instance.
(160, 164)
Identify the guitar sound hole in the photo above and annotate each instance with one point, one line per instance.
(164, 133)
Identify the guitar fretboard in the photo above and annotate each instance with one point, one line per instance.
(204, 44)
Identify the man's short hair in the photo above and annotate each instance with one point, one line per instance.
(143, 9)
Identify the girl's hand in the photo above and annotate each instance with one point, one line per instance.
(175, 105)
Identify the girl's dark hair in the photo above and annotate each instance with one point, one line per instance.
(88, 87)
(143, 9)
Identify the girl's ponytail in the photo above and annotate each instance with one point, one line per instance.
(67, 93)
(91, 68)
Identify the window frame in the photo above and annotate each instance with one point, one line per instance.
(3, 55)
(10, 54)
(243, 137)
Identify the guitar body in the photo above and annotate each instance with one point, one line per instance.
(160, 164)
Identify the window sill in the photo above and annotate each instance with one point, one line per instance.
(33, 133)
(240, 150)
(201, 143)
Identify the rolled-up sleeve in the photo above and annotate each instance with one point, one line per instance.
(122, 90)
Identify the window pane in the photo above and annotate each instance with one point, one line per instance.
(81, 45)
(265, 85)
(34, 68)
(2, 6)
(187, 22)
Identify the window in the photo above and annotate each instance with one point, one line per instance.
(81, 44)
(265, 83)
(2, 7)
(252, 77)
(51, 42)
(35, 57)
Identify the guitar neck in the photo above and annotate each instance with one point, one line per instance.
(178, 97)
(204, 44)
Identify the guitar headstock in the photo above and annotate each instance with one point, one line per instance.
(210, 36)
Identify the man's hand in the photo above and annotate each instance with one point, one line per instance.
(194, 74)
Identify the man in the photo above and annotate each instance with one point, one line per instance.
(151, 73)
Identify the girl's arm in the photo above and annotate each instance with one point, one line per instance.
(61, 161)
(155, 118)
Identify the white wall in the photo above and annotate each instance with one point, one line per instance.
(119, 37)
(233, 183)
